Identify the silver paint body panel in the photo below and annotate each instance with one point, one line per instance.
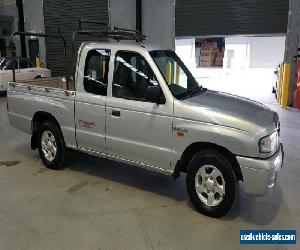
(144, 134)
(259, 172)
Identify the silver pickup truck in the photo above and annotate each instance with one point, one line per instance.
(143, 107)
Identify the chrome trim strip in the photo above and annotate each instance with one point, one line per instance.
(123, 160)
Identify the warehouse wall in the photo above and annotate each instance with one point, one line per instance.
(237, 52)
(253, 52)
(185, 49)
(231, 17)
(159, 23)
(8, 10)
(266, 51)
(122, 13)
(64, 16)
(157, 20)
(34, 22)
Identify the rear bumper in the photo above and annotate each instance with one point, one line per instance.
(260, 175)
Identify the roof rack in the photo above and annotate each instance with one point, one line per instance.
(117, 34)
(132, 32)
(32, 34)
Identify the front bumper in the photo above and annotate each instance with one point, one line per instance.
(260, 175)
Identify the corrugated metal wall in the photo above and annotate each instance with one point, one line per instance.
(64, 15)
(230, 17)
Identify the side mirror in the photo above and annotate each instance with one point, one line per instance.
(154, 94)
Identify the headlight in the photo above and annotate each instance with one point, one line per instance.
(269, 143)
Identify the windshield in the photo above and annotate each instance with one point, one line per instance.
(179, 79)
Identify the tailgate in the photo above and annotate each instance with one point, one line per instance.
(25, 101)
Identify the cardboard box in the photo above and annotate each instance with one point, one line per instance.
(220, 54)
(208, 56)
(207, 61)
(219, 61)
(206, 64)
(210, 45)
(208, 50)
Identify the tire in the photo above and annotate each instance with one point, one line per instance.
(216, 183)
(49, 133)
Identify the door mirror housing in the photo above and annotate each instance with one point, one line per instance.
(155, 95)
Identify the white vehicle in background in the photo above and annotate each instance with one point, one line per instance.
(24, 70)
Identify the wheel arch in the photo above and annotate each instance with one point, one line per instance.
(38, 118)
(193, 148)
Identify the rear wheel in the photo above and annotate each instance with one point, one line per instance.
(51, 145)
(211, 183)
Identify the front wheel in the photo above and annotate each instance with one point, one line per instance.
(211, 183)
(51, 145)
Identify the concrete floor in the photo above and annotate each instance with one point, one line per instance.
(98, 204)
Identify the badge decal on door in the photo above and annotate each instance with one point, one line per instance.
(180, 131)
(87, 124)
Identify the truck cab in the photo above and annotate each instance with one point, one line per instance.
(112, 82)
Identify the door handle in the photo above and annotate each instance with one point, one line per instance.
(116, 113)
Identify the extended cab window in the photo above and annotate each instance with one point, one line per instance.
(96, 72)
(132, 76)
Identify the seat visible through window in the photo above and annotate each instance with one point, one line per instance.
(96, 72)
(132, 76)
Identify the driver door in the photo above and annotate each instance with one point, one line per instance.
(137, 130)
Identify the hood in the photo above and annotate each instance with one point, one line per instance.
(230, 110)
